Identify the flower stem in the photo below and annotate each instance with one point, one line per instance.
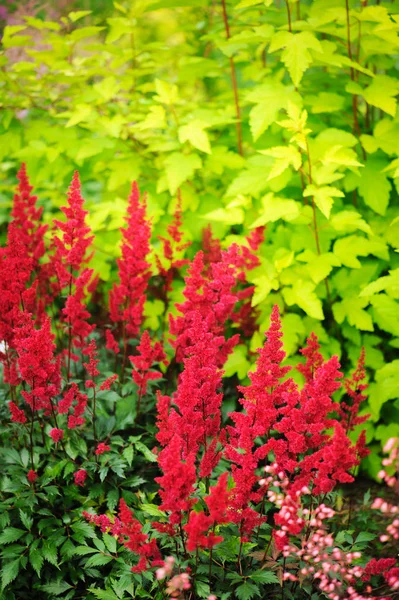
(234, 83)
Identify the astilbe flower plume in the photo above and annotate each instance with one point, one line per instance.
(70, 266)
(200, 526)
(128, 296)
(80, 477)
(73, 246)
(38, 366)
(173, 249)
(210, 295)
(132, 536)
(148, 354)
(354, 388)
(195, 416)
(312, 448)
(261, 400)
(27, 218)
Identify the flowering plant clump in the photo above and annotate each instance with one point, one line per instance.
(134, 466)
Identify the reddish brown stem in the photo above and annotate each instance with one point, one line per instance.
(288, 15)
(233, 83)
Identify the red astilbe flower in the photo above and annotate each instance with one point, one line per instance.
(133, 538)
(37, 365)
(106, 385)
(73, 394)
(15, 272)
(199, 524)
(172, 248)
(178, 479)
(211, 247)
(56, 434)
(210, 295)
(102, 448)
(80, 477)
(128, 296)
(72, 247)
(314, 359)
(69, 262)
(75, 311)
(111, 343)
(261, 400)
(148, 355)
(27, 218)
(354, 388)
(32, 476)
(197, 417)
(17, 414)
(376, 567)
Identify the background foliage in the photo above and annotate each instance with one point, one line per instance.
(258, 112)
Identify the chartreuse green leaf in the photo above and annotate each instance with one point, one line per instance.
(237, 362)
(375, 186)
(296, 55)
(303, 294)
(284, 156)
(381, 93)
(323, 197)
(275, 208)
(352, 308)
(385, 388)
(180, 167)
(319, 266)
(194, 132)
(348, 221)
(386, 313)
(389, 283)
(269, 98)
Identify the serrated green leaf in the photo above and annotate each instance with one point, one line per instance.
(36, 560)
(11, 534)
(323, 197)
(150, 456)
(56, 588)
(49, 552)
(247, 590)
(180, 167)
(26, 520)
(110, 542)
(285, 156)
(374, 186)
(264, 577)
(296, 55)
(98, 560)
(9, 572)
(194, 132)
(104, 594)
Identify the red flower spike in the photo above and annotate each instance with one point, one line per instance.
(80, 477)
(56, 434)
(128, 296)
(32, 476)
(17, 414)
(102, 448)
(27, 218)
(148, 354)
